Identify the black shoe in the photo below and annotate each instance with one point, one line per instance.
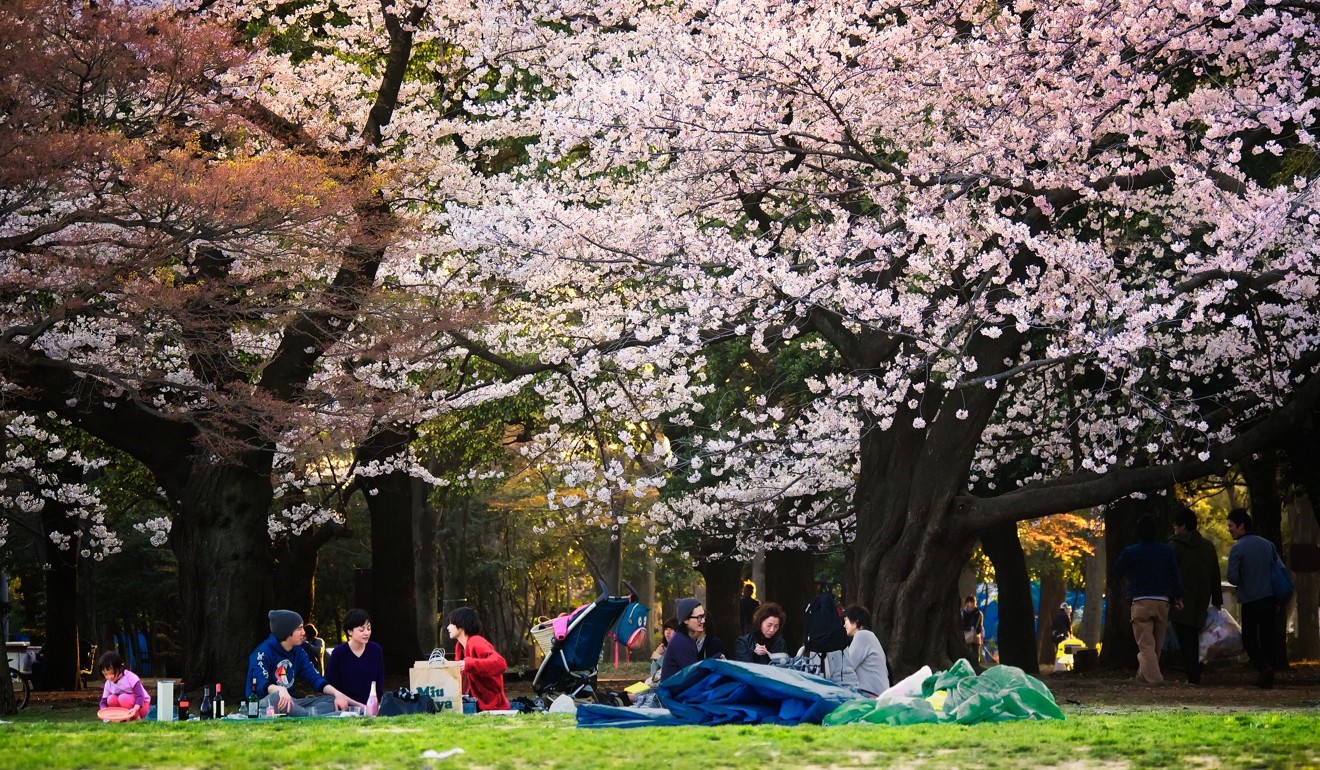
(1266, 680)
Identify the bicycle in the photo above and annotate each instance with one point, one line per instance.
(22, 687)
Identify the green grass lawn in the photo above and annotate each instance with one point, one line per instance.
(1150, 738)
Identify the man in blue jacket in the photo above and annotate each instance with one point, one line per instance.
(1249, 563)
(1154, 582)
(279, 660)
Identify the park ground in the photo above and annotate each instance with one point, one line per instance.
(1111, 724)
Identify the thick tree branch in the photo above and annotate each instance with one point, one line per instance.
(1078, 491)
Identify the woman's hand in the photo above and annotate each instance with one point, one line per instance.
(761, 649)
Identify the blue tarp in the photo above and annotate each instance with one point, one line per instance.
(717, 692)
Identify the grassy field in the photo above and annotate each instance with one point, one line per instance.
(1087, 739)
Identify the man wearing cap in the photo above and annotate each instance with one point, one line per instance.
(690, 642)
(280, 659)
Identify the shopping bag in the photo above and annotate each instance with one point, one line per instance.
(1222, 636)
(442, 681)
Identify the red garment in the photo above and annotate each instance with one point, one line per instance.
(483, 673)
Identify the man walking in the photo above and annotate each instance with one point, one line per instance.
(1199, 565)
(1154, 583)
(1249, 563)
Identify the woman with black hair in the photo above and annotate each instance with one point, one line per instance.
(357, 664)
(483, 667)
(865, 655)
(766, 637)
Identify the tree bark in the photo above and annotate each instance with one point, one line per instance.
(426, 549)
(223, 558)
(1017, 638)
(1303, 528)
(295, 558)
(723, 583)
(1262, 476)
(1052, 590)
(790, 581)
(1119, 649)
(1091, 626)
(393, 603)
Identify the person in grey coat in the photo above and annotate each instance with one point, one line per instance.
(1249, 563)
(865, 655)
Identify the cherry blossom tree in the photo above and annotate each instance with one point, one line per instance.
(1075, 243)
(197, 278)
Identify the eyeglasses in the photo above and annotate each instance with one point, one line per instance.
(699, 618)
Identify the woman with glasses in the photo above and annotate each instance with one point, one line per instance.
(690, 642)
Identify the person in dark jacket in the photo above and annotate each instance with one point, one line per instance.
(973, 623)
(279, 660)
(1061, 625)
(1199, 565)
(765, 638)
(690, 642)
(1154, 583)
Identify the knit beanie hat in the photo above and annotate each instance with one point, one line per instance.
(283, 623)
(685, 608)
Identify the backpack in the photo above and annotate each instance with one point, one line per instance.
(630, 629)
(825, 625)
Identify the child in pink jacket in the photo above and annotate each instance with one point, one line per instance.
(122, 688)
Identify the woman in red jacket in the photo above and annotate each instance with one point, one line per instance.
(483, 667)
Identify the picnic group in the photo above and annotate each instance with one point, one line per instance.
(1167, 583)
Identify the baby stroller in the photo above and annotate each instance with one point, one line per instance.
(571, 662)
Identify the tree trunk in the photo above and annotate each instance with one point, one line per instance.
(393, 605)
(1304, 532)
(1120, 648)
(426, 549)
(59, 655)
(1262, 477)
(221, 544)
(790, 582)
(295, 558)
(723, 584)
(1017, 637)
(1052, 591)
(1091, 627)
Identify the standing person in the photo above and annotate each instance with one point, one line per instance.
(122, 687)
(767, 638)
(690, 642)
(973, 624)
(747, 605)
(279, 660)
(1154, 583)
(314, 646)
(865, 655)
(354, 665)
(1199, 565)
(1249, 563)
(1061, 625)
(483, 667)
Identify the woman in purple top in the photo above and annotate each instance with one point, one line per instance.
(357, 663)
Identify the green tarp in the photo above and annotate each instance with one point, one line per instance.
(959, 696)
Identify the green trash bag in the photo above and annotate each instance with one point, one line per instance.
(959, 696)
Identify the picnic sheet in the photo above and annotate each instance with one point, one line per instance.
(717, 692)
(957, 696)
